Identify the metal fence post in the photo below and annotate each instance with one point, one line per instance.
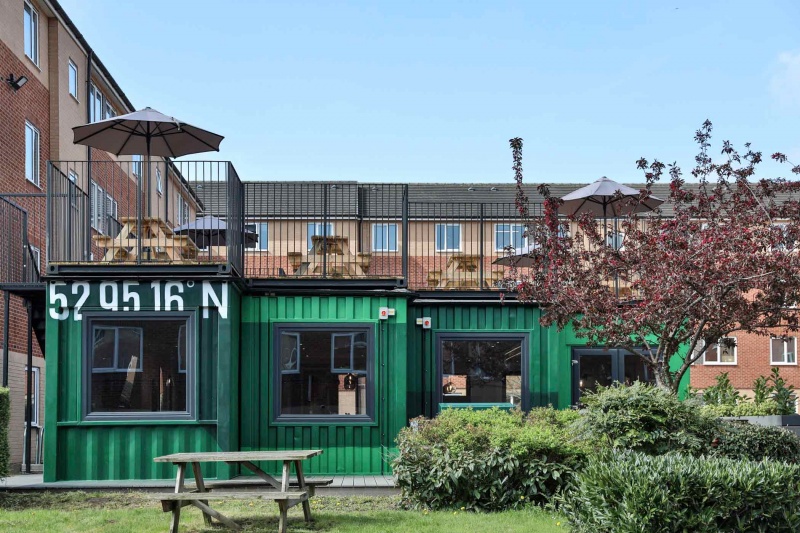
(480, 249)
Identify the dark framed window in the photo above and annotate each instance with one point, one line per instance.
(324, 372)
(138, 366)
(600, 366)
(483, 368)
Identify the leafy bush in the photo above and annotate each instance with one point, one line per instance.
(763, 408)
(741, 440)
(782, 393)
(722, 392)
(626, 492)
(645, 418)
(487, 460)
(5, 415)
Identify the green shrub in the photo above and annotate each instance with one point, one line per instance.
(487, 460)
(645, 418)
(5, 414)
(743, 408)
(722, 392)
(627, 492)
(782, 393)
(742, 440)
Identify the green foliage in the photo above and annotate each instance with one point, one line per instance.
(627, 492)
(745, 441)
(766, 407)
(5, 415)
(487, 460)
(644, 418)
(761, 390)
(782, 393)
(722, 392)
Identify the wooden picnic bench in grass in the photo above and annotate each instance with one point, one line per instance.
(285, 493)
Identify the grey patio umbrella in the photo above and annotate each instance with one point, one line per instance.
(606, 197)
(522, 257)
(211, 231)
(146, 132)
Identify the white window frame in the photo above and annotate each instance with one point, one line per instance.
(136, 165)
(72, 67)
(611, 235)
(263, 244)
(37, 253)
(35, 175)
(350, 369)
(512, 229)
(182, 212)
(721, 363)
(34, 30)
(116, 367)
(99, 103)
(787, 341)
(36, 395)
(73, 177)
(436, 237)
(159, 182)
(314, 229)
(383, 227)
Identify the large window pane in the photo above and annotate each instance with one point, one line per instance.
(138, 366)
(31, 32)
(324, 371)
(448, 237)
(482, 371)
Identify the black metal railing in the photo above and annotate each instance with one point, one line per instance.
(348, 230)
(22, 238)
(132, 212)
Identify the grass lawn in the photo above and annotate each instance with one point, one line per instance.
(131, 511)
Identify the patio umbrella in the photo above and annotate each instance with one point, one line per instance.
(522, 257)
(211, 231)
(606, 197)
(146, 132)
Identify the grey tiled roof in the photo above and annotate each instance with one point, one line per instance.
(292, 199)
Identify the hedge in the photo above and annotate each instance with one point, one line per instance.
(487, 460)
(627, 491)
(5, 415)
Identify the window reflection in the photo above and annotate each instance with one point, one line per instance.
(482, 371)
(323, 372)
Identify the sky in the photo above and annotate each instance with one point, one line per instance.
(432, 91)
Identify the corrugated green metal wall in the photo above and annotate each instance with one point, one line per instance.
(352, 448)
(77, 449)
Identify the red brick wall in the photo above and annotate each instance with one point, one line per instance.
(31, 103)
(752, 360)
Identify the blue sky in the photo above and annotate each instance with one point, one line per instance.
(432, 91)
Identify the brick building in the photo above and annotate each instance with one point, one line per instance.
(52, 81)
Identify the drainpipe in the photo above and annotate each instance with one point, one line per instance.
(88, 227)
(6, 302)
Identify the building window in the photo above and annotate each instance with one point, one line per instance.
(73, 79)
(35, 399)
(31, 21)
(100, 107)
(384, 237)
(136, 165)
(159, 183)
(324, 371)
(139, 367)
(448, 237)
(722, 352)
(104, 210)
(783, 350)
(36, 255)
(261, 230)
(317, 229)
(182, 211)
(509, 236)
(32, 153)
(615, 240)
(73, 188)
(483, 368)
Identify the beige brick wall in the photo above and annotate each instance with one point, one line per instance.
(17, 382)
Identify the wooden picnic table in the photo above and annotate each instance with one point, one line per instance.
(284, 494)
(156, 237)
(332, 255)
(462, 271)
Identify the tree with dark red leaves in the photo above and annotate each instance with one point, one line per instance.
(720, 256)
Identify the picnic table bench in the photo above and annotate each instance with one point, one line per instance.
(286, 493)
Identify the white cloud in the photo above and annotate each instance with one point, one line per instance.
(785, 82)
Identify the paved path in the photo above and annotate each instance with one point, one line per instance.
(342, 485)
